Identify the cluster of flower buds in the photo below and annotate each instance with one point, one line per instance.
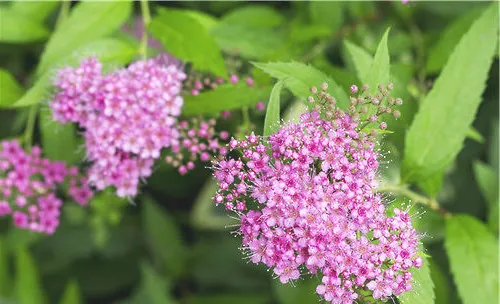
(307, 201)
(128, 116)
(198, 140)
(28, 184)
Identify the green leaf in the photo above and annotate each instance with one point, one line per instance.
(422, 291)
(246, 298)
(5, 276)
(187, 39)
(380, 68)
(360, 59)
(224, 97)
(11, 90)
(17, 28)
(299, 78)
(473, 253)
(208, 21)
(302, 292)
(28, 289)
(441, 282)
(153, 288)
(71, 294)
(254, 15)
(59, 141)
(475, 135)
(163, 238)
(445, 115)
(487, 181)
(88, 21)
(110, 51)
(448, 39)
(433, 184)
(328, 13)
(272, 120)
(35, 10)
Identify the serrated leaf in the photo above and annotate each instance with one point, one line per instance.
(17, 28)
(10, 88)
(299, 78)
(28, 289)
(163, 237)
(422, 291)
(473, 254)
(445, 115)
(448, 39)
(35, 10)
(224, 97)
(87, 21)
(380, 68)
(110, 51)
(185, 38)
(360, 59)
(71, 294)
(272, 120)
(59, 141)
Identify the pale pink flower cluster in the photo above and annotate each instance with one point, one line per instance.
(128, 116)
(28, 185)
(307, 202)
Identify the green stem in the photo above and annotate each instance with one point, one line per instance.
(30, 126)
(417, 198)
(146, 19)
(63, 13)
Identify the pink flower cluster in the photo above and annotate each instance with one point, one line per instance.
(311, 187)
(28, 184)
(198, 140)
(128, 117)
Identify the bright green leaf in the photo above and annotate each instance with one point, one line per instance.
(380, 69)
(475, 135)
(299, 78)
(208, 21)
(36, 10)
(487, 181)
(163, 237)
(59, 141)
(87, 21)
(254, 16)
(272, 120)
(187, 39)
(441, 283)
(433, 184)
(473, 253)
(11, 90)
(224, 97)
(17, 28)
(28, 289)
(112, 52)
(422, 291)
(71, 294)
(360, 59)
(445, 115)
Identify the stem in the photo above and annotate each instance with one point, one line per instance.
(146, 19)
(30, 126)
(403, 190)
(63, 13)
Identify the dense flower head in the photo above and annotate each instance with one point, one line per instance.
(28, 184)
(307, 201)
(198, 140)
(128, 116)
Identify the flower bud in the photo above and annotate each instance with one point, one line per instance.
(399, 101)
(314, 90)
(354, 89)
(324, 86)
(396, 114)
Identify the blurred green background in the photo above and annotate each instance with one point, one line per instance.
(170, 244)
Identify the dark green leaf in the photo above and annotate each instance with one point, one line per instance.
(422, 291)
(475, 135)
(473, 255)
(299, 78)
(11, 90)
(224, 97)
(272, 120)
(441, 283)
(153, 288)
(185, 38)
(302, 292)
(28, 289)
(433, 184)
(71, 294)
(487, 181)
(17, 28)
(329, 13)
(88, 21)
(5, 276)
(163, 237)
(445, 115)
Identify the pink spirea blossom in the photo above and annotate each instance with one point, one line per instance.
(314, 183)
(128, 116)
(28, 186)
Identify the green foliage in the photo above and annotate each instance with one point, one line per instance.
(440, 126)
(37, 10)
(71, 294)
(163, 238)
(473, 254)
(299, 78)
(488, 182)
(422, 286)
(360, 59)
(302, 292)
(224, 97)
(18, 28)
(380, 68)
(11, 90)
(5, 281)
(153, 289)
(27, 289)
(327, 13)
(271, 123)
(184, 37)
